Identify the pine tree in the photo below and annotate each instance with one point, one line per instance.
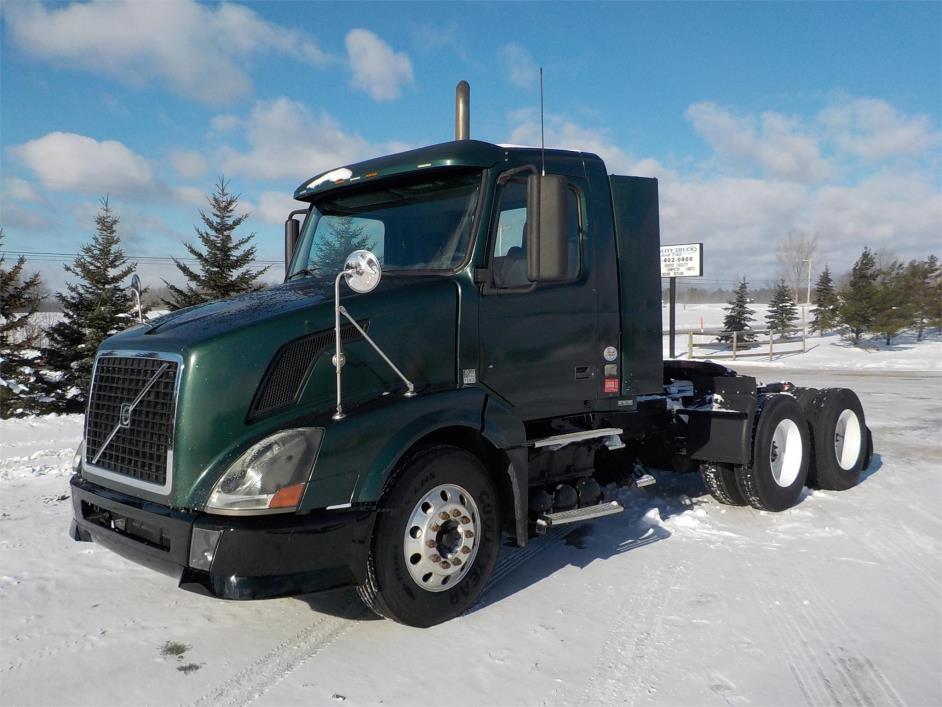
(223, 260)
(782, 312)
(826, 304)
(894, 310)
(344, 237)
(859, 299)
(19, 299)
(924, 284)
(94, 308)
(738, 316)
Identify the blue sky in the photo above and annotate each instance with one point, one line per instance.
(757, 118)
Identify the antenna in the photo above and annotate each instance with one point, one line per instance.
(542, 140)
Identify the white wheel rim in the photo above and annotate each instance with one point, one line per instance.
(441, 538)
(786, 453)
(847, 438)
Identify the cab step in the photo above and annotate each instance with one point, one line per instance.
(550, 520)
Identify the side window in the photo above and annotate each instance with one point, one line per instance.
(509, 254)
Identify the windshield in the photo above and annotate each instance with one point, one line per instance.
(418, 223)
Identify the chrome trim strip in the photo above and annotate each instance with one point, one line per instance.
(93, 471)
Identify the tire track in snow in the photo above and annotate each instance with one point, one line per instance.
(819, 649)
(512, 558)
(252, 682)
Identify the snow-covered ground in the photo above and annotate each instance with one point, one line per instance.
(676, 601)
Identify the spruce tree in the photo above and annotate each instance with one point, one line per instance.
(19, 299)
(894, 302)
(738, 316)
(924, 284)
(222, 262)
(859, 299)
(344, 236)
(782, 312)
(94, 307)
(826, 304)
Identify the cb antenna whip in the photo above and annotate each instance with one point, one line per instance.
(542, 140)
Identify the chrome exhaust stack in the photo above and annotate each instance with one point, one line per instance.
(463, 111)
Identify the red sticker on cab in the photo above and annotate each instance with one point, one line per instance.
(611, 385)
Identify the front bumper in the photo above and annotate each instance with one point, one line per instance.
(255, 556)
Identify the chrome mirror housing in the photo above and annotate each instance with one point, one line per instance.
(362, 271)
(136, 288)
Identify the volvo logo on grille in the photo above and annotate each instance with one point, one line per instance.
(125, 416)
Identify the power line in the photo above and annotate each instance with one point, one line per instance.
(47, 256)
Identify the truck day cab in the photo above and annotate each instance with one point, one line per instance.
(482, 367)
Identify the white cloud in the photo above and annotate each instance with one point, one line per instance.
(274, 206)
(71, 162)
(288, 141)
(377, 69)
(773, 142)
(519, 67)
(741, 217)
(189, 164)
(873, 129)
(68, 162)
(198, 50)
(18, 189)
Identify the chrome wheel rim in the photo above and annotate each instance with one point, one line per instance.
(785, 453)
(847, 438)
(441, 537)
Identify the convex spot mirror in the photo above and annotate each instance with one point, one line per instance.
(547, 228)
(362, 271)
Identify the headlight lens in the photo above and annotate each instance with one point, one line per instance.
(270, 476)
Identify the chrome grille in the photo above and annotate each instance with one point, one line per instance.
(140, 447)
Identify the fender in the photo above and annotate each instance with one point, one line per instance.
(506, 432)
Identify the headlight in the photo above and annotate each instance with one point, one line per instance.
(270, 476)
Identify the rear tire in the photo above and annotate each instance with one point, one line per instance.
(720, 481)
(407, 579)
(840, 440)
(780, 456)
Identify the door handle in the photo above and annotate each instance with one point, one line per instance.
(583, 373)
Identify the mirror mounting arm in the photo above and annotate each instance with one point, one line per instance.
(359, 280)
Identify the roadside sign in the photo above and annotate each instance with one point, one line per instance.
(683, 260)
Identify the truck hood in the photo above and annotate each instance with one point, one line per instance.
(221, 316)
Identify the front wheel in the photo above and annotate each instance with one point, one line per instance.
(436, 539)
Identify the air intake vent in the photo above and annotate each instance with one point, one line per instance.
(291, 366)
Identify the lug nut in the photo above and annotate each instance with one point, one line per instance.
(435, 558)
(468, 534)
(431, 543)
(465, 520)
(445, 565)
(444, 515)
(456, 561)
(466, 550)
(435, 527)
(455, 513)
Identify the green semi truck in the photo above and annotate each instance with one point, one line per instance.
(483, 366)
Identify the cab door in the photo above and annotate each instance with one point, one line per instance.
(539, 346)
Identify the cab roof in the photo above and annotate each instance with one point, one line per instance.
(462, 153)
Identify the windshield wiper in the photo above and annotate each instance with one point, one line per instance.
(306, 271)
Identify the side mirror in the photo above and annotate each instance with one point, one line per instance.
(547, 228)
(362, 271)
(292, 232)
(136, 288)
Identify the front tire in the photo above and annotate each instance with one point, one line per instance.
(780, 456)
(436, 539)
